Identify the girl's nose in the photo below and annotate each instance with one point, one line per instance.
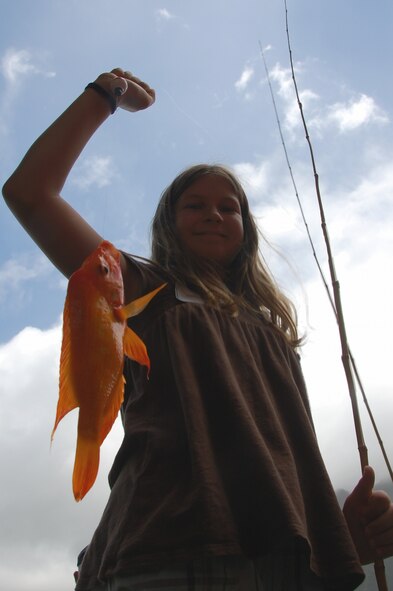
(214, 215)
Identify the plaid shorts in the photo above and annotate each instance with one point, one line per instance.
(274, 572)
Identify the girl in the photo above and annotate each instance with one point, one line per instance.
(218, 482)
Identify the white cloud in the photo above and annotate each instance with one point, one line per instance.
(280, 222)
(356, 113)
(254, 177)
(96, 171)
(19, 270)
(283, 78)
(347, 116)
(363, 215)
(45, 529)
(359, 214)
(242, 83)
(164, 14)
(17, 64)
(360, 221)
(324, 372)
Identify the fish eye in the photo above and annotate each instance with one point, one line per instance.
(104, 269)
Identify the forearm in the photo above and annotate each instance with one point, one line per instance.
(33, 190)
(45, 167)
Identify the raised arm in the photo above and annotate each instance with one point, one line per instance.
(33, 190)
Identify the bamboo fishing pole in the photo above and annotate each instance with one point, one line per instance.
(321, 273)
(379, 566)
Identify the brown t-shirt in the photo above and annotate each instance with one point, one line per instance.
(219, 455)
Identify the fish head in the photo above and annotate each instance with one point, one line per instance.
(104, 271)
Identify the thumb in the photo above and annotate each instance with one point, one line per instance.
(119, 85)
(364, 487)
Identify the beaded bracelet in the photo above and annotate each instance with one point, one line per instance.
(105, 94)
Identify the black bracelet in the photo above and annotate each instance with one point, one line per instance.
(105, 94)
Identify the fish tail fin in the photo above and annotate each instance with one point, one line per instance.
(87, 459)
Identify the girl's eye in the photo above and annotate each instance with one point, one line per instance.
(193, 206)
(230, 209)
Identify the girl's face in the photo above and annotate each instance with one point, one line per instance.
(209, 220)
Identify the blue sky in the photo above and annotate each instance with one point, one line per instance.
(213, 104)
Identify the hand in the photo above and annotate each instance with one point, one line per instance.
(369, 515)
(136, 95)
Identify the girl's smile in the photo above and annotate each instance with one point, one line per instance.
(209, 219)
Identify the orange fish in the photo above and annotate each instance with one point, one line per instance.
(95, 339)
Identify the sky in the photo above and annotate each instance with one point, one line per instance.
(213, 105)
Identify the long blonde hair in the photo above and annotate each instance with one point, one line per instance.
(248, 282)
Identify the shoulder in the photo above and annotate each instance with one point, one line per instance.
(141, 275)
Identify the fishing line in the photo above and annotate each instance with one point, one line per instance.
(347, 359)
(293, 180)
(187, 115)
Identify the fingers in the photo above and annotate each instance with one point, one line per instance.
(121, 72)
(377, 504)
(379, 524)
(127, 75)
(369, 516)
(136, 82)
(382, 519)
(381, 543)
(132, 93)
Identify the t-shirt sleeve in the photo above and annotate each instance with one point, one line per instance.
(149, 275)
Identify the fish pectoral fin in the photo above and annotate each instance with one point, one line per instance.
(87, 459)
(135, 348)
(136, 306)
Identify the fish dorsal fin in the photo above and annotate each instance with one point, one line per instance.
(67, 398)
(136, 306)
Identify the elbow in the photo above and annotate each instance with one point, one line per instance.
(10, 191)
(7, 190)
(17, 195)
(9, 194)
